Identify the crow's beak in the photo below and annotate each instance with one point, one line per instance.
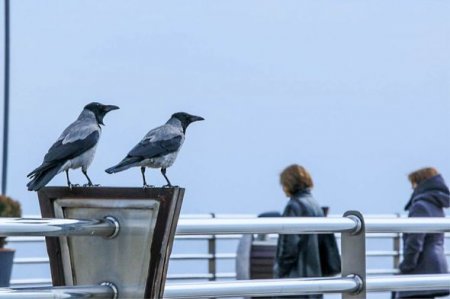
(110, 108)
(195, 118)
(106, 109)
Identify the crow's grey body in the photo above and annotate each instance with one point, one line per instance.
(75, 148)
(79, 131)
(159, 147)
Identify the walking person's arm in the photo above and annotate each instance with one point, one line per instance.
(413, 243)
(289, 246)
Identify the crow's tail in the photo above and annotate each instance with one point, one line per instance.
(124, 164)
(42, 175)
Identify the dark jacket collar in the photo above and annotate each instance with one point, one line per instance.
(302, 193)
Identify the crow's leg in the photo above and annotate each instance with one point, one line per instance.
(89, 184)
(68, 180)
(143, 178)
(69, 184)
(163, 171)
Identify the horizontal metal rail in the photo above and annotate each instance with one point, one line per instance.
(266, 287)
(176, 257)
(407, 225)
(196, 276)
(223, 275)
(57, 227)
(202, 256)
(77, 292)
(31, 260)
(285, 287)
(15, 239)
(183, 276)
(272, 236)
(208, 237)
(308, 225)
(26, 239)
(14, 283)
(408, 282)
(382, 253)
(281, 225)
(373, 272)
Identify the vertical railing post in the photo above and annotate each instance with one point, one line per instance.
(353, 250)
(396, 247)
(212, 262)
(6, 98)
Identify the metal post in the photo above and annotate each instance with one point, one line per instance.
(212, 269)
(353, 248)
(396, 247)
(6, 101)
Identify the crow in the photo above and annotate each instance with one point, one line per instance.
(74, 148)
(159, 148)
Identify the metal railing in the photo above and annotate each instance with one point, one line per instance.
(310, 225)
(58, 227)
(352, 284)
(232, 229)
(33, 229)
(285, 287)
(215, 253)
(75, 292)
(266, 288)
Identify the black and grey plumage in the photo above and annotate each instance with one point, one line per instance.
(74, 148)
(159, 148)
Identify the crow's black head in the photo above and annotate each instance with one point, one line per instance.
(186, 119)
(100, 110)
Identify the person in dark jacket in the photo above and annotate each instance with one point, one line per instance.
(424, 253)
(298, 255)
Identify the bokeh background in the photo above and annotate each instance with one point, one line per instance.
(356, 91)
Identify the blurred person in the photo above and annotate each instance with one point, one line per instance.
(424, 253)
(298, 255)
(255, 255)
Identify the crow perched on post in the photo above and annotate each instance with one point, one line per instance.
(74, 148)
(159, 148)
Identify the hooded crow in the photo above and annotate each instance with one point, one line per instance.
(74, 148)
(159, 148)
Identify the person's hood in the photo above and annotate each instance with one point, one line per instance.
(433, 190)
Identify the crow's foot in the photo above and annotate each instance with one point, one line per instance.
(91, 185)
(71, 186)
(169, 186)
(145, 186)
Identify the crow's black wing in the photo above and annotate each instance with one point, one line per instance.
(65, 151)
(149, 148)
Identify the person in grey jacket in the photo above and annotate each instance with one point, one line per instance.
(298, 255)
(424, 253)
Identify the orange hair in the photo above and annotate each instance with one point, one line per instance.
(295, 178)
(421, 175)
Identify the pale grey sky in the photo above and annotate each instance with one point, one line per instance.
(356, 91)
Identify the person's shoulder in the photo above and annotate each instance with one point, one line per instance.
(419, 203)
(293, 205)
(293, 202)
(420, 208)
